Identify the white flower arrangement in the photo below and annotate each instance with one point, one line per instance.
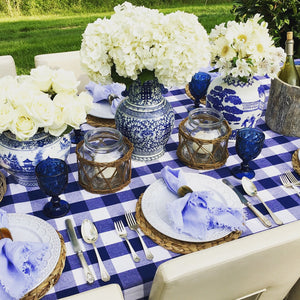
(137, 40)
(245, 49)
(44, 99)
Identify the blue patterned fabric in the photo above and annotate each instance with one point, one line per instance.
(135, 279)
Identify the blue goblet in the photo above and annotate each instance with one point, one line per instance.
(249, 143)
(52, 177)
(198, 88)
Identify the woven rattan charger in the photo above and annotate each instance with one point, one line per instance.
(52, 279)
(100, 122)
(2, 186)
(295, 161)
(173, 244)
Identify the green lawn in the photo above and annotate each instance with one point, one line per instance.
(25, 37)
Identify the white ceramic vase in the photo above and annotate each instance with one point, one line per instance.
(241, 103)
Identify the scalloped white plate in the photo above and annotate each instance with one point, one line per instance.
(30, 228)
(157, 196)
(101, 110)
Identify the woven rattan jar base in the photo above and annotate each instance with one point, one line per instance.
(104, 177)
(295, 161)
(199, 149)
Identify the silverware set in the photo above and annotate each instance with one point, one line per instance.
(289, 181)
(132, 224)
(90, 235)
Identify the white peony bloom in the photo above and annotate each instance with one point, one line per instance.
(75, 114)
(87, 100)
(23, 126)
(64, 82)
(42, 77)
(7, 115)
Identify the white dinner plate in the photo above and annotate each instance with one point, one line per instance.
(29, 228)
(157, 196)
(102, 110)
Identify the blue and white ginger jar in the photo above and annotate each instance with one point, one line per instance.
(146, 118)
(241, 103)
(19, 158)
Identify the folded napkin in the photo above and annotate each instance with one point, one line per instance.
(20, 264)
(101, 93)
(200, 211)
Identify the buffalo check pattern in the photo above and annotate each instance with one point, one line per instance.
(135, 279)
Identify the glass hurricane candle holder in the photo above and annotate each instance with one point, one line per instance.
(104, 161)
(203, 139)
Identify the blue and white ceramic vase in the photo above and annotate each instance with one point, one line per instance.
(146, 118)
(19, 158)
(241, 103)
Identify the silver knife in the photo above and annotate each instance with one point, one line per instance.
(261, 217)
(75, 244)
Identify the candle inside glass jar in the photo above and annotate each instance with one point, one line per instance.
(205, 135)
(107, 172)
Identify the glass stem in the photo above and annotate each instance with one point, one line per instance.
(55, 201)
(245, 166)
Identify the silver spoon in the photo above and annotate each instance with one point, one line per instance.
(90, 235)
(251, 190)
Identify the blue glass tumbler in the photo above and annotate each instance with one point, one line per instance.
(249, 143)
(52, 177)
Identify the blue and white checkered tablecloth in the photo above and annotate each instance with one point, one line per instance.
(135, 279)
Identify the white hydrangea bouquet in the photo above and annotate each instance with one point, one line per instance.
(138, 42)
(243, 50)
(44, 100)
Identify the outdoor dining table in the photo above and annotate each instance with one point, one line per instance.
(135, 279)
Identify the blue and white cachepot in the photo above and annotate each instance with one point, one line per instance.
(241, 103)
(146, 118)
(19, 158)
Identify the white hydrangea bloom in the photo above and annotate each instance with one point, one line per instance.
(136, 38)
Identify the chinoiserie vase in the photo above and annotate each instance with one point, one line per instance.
(241, 103)
(146, 118)
(19, 158)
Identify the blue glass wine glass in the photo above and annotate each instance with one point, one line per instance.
(198, 88)
(249, 143)
(52, 177)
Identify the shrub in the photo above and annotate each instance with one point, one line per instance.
(281, 15)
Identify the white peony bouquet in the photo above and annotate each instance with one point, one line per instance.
(245, 49)
(138, 42)
(44, 100)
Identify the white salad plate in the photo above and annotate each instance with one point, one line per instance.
(102, 110)
(29, 228)
(157, 197)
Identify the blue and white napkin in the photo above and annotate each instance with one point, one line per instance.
(101, 92)
(20, 264)
(200, 211)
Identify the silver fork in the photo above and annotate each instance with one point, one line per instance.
(135, 227)
(285, 181)
(291, 177)
(121, 231)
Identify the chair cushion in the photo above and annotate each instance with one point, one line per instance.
(7, 66)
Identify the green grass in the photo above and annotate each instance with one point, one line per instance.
(24, 37)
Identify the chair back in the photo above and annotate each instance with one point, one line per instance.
(7, 66)
(261, 266)
(69, 61)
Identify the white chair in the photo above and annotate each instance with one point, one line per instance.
(261, 266)
(69, 61)
(109, 292)
(7, 66)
